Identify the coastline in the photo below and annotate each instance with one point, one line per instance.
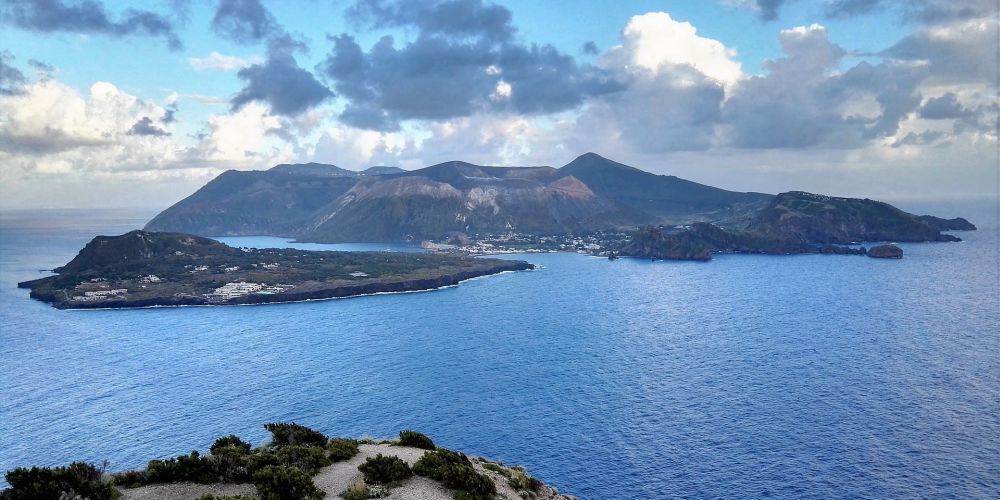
(297, 301)
(339, 292)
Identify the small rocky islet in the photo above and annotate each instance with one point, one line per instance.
(297, 463)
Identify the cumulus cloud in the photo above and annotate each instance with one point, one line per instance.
(960, 52)
(801, 101)
(452, 68)
(280, 82)
(89, 16)
(221, 62)
(244, 21)
(655, 40)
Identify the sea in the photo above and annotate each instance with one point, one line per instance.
(750, 376)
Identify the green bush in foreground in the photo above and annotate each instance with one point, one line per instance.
(356, 491)
(381, 469)
(416, 440)
(342, 449)
(285, 483)
(291, 433)
(78, 479)
(434, 463)
(455, 471)
(193, 467)
(230, 444)
(308, 459)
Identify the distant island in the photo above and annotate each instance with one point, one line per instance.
(298, 463)
(144, 269)
(592, 204)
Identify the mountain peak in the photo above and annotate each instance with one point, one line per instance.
(594, 161)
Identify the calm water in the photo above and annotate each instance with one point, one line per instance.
(750, 376)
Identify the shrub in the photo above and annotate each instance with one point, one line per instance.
(285, 483)
(465, 479)
(78, 479)
(306, 458)
(434, 463)
(383, 470)
(416, 440)
(342, 449)
(519, 479)
(191, 467)
(230, 444)
(356, 491)
(130, 479)
(291, 433)
(455, 471)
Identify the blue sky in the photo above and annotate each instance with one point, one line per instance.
(855, 89)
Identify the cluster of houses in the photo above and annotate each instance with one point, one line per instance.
(92, 295)
(239, 289)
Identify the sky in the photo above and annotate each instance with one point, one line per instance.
(137, 104)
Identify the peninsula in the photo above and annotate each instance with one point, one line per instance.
(144, 269)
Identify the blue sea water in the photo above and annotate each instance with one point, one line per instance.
(749, 376)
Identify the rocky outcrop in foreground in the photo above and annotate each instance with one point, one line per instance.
(886, 252)
(298, 463)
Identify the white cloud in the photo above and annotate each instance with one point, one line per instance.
(243, 139)
(655, 41)
(221, 62)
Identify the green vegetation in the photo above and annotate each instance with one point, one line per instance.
(285, 483)
(356, 491)
(415, 439)
(79, 479)
(191, 467)
(233, 460)
(381, 469)
(292, 433)
(455, 471)
(308, 459)
(342, 449)
(517, 477)
(280, 470)
(228, 444)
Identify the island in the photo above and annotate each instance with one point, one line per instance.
(145, 269)
(591, 205)
(297, 463)
(797, 223)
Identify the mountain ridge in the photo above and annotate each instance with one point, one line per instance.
(325, 203)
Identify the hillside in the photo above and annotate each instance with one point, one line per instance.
(795, 223)
(814, 218)
(275, 203)
(324, 203)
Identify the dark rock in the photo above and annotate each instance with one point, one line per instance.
(886, 252)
